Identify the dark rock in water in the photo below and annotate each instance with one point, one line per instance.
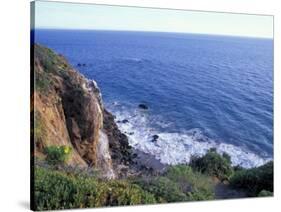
(79, 64)
(143, 106)
(131, 133)
(155, 138)
(125, 121)
(84, 64)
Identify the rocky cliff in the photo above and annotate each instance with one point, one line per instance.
(68, 110)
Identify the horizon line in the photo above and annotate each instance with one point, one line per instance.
(176, 32)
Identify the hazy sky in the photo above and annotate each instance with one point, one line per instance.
(87, 16)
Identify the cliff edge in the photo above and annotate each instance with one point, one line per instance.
(68, 111)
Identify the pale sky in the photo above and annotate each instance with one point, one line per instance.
(60, 15)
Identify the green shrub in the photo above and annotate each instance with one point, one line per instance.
(57, 155)
(47, 63)
(58, 190)
(196, 185)
(53, 190)
(254, 180)
(179, 183)
(265, 193)
(116, 193)
(47, 58)
(213, 164)
(42, 82)
(164, 189)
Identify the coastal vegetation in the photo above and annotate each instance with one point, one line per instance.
(59, 190)
(256, 181)
(81, 158)
(213, 164)
(62, 188)
(57, 154)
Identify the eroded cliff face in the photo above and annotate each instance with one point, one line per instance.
(68, 110)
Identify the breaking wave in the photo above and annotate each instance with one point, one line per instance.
(173, 147)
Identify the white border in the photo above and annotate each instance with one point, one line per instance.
(14, 112)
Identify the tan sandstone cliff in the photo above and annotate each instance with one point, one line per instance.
(68, 110)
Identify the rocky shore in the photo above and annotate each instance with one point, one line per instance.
(68, 110)
(80, 158)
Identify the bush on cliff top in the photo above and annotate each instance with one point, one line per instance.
(47, 63)
(254, 180)
(47, 57)
(213, 164)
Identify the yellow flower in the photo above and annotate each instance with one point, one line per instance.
(66, 149)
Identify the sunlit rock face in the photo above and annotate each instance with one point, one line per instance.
(68, 110)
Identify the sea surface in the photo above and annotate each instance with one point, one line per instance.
(202, 91)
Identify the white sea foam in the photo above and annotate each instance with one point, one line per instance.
(133, 59)
(177, 148)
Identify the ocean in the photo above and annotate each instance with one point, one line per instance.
(202, 91)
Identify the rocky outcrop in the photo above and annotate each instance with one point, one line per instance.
(68, 110)
(121, 152)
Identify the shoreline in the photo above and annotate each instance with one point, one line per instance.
(190, 143)
(93, 155)
(148, 162)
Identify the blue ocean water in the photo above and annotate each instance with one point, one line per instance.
(202, 91)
